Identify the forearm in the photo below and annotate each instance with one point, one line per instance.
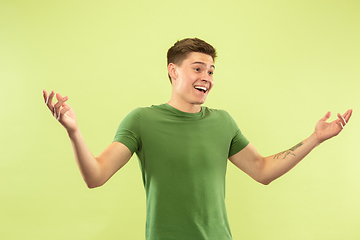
(87, 163)
(277, 165)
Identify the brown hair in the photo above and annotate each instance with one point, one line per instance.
(177, 53)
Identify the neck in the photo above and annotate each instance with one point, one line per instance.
(189, 108)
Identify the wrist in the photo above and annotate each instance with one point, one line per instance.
(73, 133)
(314, 139)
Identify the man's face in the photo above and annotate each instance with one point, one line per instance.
(193, 79)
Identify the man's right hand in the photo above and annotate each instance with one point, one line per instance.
(95, 171)
(61, 111)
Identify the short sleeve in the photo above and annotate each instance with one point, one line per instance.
(239, 141)
(128, 132)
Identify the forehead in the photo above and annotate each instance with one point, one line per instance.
(198, 57)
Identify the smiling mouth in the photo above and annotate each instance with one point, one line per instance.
(201, 89)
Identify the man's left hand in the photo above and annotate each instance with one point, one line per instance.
(325, 130)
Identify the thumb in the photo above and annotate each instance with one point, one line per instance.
(58, 96)
(326, 117)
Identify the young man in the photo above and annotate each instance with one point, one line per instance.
(183, 149)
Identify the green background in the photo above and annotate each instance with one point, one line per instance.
(282, 65)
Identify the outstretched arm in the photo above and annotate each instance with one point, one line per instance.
(94, 170)
(267, 169)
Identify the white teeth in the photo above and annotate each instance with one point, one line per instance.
(201, 88)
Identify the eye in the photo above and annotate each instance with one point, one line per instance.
(197, 69)
(210, 73)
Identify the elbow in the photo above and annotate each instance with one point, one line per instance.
(263, 175)
(92, 185)
(264, 180)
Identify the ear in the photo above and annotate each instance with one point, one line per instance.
(172, 70)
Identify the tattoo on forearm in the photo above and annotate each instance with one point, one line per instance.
(288, 152)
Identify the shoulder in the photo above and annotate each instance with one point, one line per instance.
(134, 113)
(222, 116)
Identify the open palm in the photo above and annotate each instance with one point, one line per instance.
(61, 110)
(325, 130)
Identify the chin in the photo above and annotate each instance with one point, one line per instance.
(197, 101)
(200, 102)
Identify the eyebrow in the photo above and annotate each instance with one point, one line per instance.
(202, 63)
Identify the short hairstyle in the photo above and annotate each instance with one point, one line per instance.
(177, 53)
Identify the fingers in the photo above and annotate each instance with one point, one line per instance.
(63, 111)
(48, 99)
(45, 95)
(58, 109)
(347, 115)
(59, 106)
(343, 119)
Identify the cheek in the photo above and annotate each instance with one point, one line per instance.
(183, 86)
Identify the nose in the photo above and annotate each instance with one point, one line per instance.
(207, 78)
